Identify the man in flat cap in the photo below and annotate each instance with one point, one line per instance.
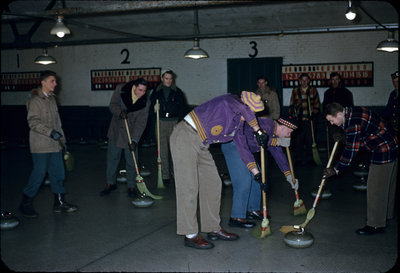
(196, 177)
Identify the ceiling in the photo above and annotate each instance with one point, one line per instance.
(27, 23)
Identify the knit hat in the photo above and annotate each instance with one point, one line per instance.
(166, 70)
(289, 121)
(395, 75)
(252, 100)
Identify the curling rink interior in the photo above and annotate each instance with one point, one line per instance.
(109, 234)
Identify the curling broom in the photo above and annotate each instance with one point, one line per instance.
(139, 179)
(160, 184)
(311, 212)
(298, 207)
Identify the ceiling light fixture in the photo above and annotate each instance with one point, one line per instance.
(350, 13)
(45, 59)
(59, 28)
(196, 52)
(388, 45)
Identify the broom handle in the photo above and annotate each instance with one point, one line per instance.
(327, 139)
(312, 125)
(324, 178)
(158, 130)
(130, 142)
(264, 195)
(292, 171)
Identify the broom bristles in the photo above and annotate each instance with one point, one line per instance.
(299, 210)
(143, 188)
(287, 229)
(315, 154)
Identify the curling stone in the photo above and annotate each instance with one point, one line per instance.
(142, 201)
(144, 171)
(121, 178)
(324, 195)
(8, 221)
(299, 239)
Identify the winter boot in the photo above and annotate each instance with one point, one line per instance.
(26, 207)
(61, 206)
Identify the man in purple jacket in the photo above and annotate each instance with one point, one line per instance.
(196, 176)
(363, 128)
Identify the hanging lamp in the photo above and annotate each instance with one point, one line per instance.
(196, 52)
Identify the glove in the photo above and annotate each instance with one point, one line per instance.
(289, 179)
(156, 107)
(132, 146)
(55, 135)
(262, 138)
(123, 115)
(284, 141)
(258, 178)
(338, 137)
(328, 172)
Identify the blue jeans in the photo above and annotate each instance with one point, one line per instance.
(51, 163)
(113, 158)
(246, 190)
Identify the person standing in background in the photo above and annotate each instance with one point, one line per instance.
(303, 98)
(172, 108)
(391, 112)
(272, 108)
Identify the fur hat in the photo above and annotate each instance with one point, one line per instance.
(252, 100)
(289, 121)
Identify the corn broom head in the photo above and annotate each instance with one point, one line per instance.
(299, 208)
(143, 189)
(69, 161)
(160, 183)
(262, 231)
(315, 155)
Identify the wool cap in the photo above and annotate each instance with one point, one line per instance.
(252, 100)
(165, 70)
(289, 121)
(395, 75)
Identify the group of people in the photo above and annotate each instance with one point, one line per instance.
(242, 125)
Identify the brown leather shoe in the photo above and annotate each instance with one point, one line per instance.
(198, 242)
(223, 235)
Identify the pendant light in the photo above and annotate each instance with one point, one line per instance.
(45, 59)
(388, 45)
(196, 52)
(350, 13)
(59, 28)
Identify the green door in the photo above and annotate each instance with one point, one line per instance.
(243, 74)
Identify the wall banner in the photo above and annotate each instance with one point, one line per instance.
(108, 79)
(353, 74)
(19, 81)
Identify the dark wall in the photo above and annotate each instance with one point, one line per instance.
(89, 123)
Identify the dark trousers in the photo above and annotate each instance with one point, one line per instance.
(51, 163)
(302, 142)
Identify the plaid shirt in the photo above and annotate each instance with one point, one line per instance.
(364, 128)
(299, 102)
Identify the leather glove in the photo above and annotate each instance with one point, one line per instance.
(55, 135)
(284, 141)
(289, 179)
(132, 146)
(123, 115)
(263, 186)
(262, 138)
(328, 172)
(338, 137)
(258, 177)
